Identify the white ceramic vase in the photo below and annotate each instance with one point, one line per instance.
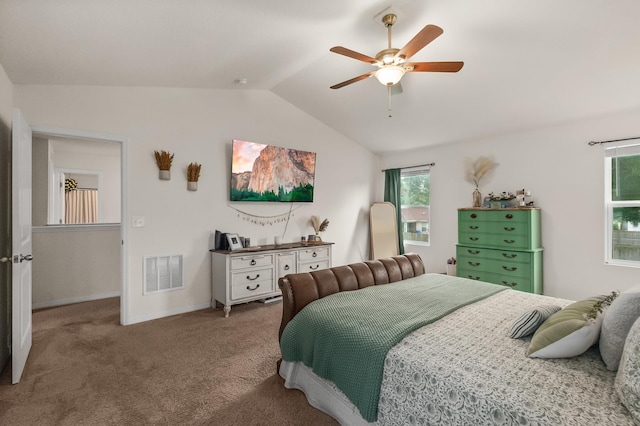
(477, 198)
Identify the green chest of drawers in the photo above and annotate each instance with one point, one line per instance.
(501, 246)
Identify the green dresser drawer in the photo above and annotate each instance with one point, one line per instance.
(516, 283)
(504, 267)
(497, 215)
(495, 240)
(511, 228)
(470, 252)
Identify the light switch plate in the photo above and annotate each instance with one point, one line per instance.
(137, 221)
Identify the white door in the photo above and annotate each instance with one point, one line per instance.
(21, 244)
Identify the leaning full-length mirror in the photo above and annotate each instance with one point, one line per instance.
(383, 229)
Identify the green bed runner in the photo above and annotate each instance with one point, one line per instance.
(345, 337)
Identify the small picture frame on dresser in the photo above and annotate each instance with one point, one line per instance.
(234, 242)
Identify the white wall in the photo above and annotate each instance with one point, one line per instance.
(39, 181)
(75, 264)
(198, 126)
(94, 158)
(566, 178)
(6, 98)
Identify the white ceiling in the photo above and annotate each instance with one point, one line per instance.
(528, 63)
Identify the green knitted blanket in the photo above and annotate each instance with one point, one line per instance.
(345, 337)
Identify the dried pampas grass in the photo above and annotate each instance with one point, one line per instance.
(319, 226)
(479, 169)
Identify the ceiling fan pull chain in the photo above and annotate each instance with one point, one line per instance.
(389, 93)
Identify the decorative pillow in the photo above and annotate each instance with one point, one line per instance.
(616, 324)
(529, 322)
(627, 382)
(571, 331)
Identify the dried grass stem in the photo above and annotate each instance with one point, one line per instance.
(319, 226)
(163, 159)
(193, 172)
(479, 169)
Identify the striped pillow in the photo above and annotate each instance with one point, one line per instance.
(529, 322)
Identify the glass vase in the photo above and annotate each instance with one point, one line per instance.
(477, 198)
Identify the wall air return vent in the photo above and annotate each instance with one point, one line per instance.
(162, 273)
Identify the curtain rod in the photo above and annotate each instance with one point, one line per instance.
(592, 143)
(411, 167)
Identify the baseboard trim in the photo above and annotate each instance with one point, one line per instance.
(72, 300)
(158, 315)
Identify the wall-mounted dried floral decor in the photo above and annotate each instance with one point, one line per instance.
(164, 160)
(193, 174)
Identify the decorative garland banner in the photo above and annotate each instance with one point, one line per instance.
(265, 220)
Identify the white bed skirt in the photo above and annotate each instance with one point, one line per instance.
(320, 393)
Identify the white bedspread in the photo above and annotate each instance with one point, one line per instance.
(465, 370)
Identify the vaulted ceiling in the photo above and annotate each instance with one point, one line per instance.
(528, 63)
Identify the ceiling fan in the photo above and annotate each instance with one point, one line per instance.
(392, 63)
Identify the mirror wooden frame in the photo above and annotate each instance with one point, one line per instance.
(383, 230)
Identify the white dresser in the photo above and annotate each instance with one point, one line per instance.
(251, 274)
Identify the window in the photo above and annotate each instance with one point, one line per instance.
(414, 199)
(622, 202)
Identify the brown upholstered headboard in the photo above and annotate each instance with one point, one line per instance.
(298, 290)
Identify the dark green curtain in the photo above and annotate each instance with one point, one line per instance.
(392, 187)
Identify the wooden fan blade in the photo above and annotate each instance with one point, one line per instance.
(424, 37)
(434, 66)
(353, 80)
(352, 54)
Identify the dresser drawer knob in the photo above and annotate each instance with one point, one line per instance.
(472, 277)
(314, 254)
(286, 267)
(473, 227)
(313, 269)
(252, 289)
(509, 229)
(509, 255)
(253, 279)
(253, 262)
(473, 251)
(473, 216)
(509, 284)
(510, 268)
(509, 241)
(473, 238)
(474, 263)
(509, 216)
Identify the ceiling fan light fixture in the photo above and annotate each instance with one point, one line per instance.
(390, 74)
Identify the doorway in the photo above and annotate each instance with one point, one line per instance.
(5, 243)
(94, 253)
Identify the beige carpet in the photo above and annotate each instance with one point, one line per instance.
(196, 368)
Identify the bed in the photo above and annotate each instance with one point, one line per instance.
(456, 365)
